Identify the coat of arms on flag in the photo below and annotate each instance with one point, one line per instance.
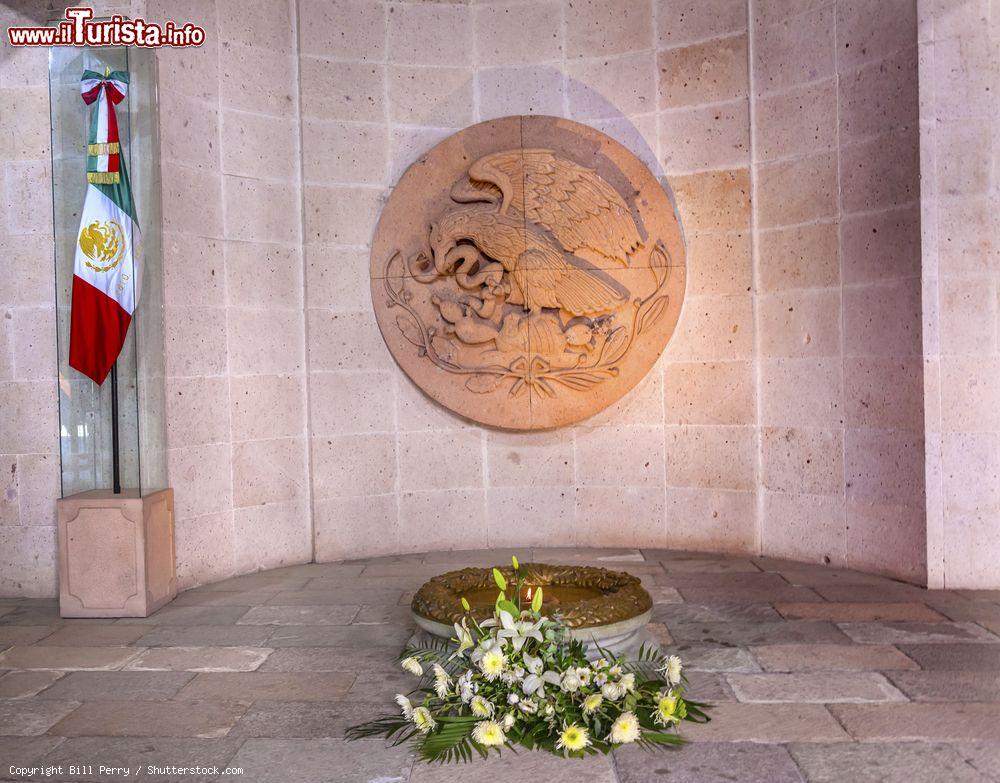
(106, 273)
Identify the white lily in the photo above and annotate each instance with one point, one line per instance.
(535, 683)
(464, 638)
(519, 631)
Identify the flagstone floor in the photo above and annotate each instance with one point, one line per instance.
(817, 674)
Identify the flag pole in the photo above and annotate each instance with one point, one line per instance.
(115, 473)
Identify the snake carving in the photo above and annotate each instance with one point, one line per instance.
(544, 278)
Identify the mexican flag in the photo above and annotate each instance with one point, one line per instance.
(106, 272)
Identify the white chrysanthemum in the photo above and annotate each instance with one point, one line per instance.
(442, 682)
(549, 710)
(412, 665)
(612, 691)
(489, 733)
(513, 698)
(528, 707)
(508, 720)
(625, 729)
(672, 669)
(423, 719)
(600, 679)
(666, 709)
(615, 671)
(466, 688)
(600, 663)
(628, 682)
(592, 703)
(573, 737)
(481, 708)
(404, 706)
(492, 664)
(584, 674)
(570, 682)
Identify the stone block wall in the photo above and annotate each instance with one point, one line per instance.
(837, 250)
(787, 416)
(960, 146)
(29, 445)
(393, 471)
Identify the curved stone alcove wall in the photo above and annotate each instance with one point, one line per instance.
(785, 418)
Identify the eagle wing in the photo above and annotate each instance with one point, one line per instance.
(551, 281)
(579, 208)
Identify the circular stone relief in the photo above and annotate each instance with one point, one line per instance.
(527, 272)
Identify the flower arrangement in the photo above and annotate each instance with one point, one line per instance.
(518, 679)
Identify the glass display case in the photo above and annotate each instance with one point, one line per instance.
(85, 409)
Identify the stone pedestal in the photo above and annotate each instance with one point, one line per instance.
(116, 553)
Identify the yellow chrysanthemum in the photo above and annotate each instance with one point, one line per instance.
(423, 719)
(625, 729)
(481, 708)
(666, 709)
(592, 703)
(573, 737)
(492, 664)
(488, 733)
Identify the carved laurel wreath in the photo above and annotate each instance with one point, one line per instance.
(622, 595)
(536, 372)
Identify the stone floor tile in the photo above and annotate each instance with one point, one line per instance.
(132, 752)
(305, 719)
(830, 657)
(715, 657)
(883, 762)
(206, 597)
(660, 634)
(710, 687)
(258, 582)
(332, 659)
(955, 657)
(710, 565)
(190, 615)
(860, 611)
(276, 686)
(360, 584)
(380, 687)
(345, 596)
(322, 761)
(878, 593)
(944, 722)
(33, 614)
(200, 659)
(767, 723)
(68, 658)
(22, 685)
(461, 558)
(917, 633)
(757, 580)
(982, 756)
(96, 635)
(31, 717)
(829, 577)
(955, 607)
(708, 762)
(24, 634)
(748, 595)
(150, 719)
(357, 636)
(525, 766)
(751, 633)
(145, 686)
(664, 595)
(21, 751)
(300, 615)
(943, 686)
(207, 636)
(814, 687)
(379, 614)
(719, 612)
(979, 595)
(424, 570)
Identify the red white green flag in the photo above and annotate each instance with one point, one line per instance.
(106, 272)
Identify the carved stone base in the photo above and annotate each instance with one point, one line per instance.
(116, 553)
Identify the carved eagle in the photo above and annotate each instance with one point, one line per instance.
(573, 203)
